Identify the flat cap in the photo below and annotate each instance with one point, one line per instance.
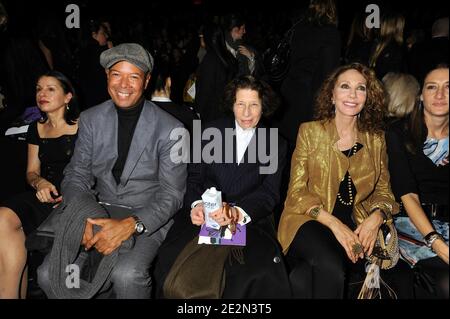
(130, 52)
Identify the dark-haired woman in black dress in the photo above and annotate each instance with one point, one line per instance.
(50, 147)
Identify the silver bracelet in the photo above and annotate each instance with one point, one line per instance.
(431, 238)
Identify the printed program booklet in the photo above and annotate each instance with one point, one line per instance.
(222, 236)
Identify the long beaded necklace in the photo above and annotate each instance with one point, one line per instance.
(351, 152)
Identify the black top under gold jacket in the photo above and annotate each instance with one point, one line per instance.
(317, 169)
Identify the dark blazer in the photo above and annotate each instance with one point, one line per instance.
(151, 182)
(263, 275)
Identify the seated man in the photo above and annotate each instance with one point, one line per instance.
(124, 150)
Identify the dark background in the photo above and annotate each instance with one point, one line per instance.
(276, 15)
(24, 13)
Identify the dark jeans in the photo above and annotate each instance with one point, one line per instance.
(320, 268)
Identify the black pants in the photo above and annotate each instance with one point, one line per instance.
(320, 268)
(431, 279)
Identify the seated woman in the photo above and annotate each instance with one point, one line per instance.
(418, 163)
(50, 146)
(339, 194)
(252, 187)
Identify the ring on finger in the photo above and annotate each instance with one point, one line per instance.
(357, 249)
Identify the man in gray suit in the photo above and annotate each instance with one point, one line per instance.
(123, 148)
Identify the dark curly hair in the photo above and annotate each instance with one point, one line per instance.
(269, 99)
(371, 117)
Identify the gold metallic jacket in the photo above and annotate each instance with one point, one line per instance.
(317, 169)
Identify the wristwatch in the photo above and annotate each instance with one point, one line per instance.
(139, 227)
(431, 237)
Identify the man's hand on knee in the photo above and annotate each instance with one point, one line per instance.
(113, 232)
(88, 234)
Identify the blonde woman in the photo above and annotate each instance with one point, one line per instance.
(403, 93)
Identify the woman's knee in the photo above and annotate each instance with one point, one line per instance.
(316, 244)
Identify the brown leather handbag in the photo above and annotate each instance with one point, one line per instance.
(199, 270)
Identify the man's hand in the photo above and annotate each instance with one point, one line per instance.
(88, 234)
(113, 233)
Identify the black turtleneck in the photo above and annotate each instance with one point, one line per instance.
(127, 120)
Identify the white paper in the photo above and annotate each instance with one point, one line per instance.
(16, 130)
(191, 91)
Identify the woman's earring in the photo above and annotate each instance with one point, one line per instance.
(67, 107)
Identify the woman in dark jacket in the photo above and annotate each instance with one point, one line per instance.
(252, 188)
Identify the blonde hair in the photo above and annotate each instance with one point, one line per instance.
(402, 93)
(391, 30)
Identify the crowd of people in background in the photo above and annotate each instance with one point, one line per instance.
(361, 82)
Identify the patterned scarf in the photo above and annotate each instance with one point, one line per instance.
(436, 150)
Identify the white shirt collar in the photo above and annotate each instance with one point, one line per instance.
(243, 138)
(244, 131)
(233, 51)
